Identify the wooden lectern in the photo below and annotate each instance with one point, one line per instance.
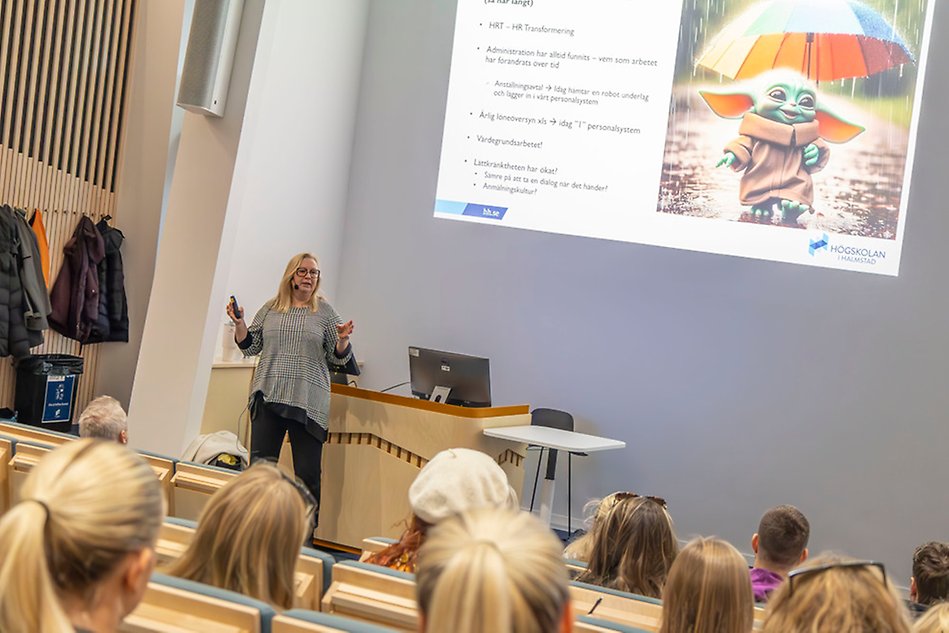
(377, 444)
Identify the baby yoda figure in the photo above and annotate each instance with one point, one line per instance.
(783, 132)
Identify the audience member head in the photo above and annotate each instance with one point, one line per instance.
(104, 418)
(839, 595)
(456, 480)
(78, 549)
(249, 536)
(493, 571)
(780, 544)
(930, 581)
(708, 590)
(596, 509)
(633, 546)
(935, 620)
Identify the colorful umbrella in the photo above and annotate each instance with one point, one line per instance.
(823, 39)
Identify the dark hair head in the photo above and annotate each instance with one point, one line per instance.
(931, 572)
(782, 535)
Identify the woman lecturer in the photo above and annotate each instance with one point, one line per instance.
(298, 335)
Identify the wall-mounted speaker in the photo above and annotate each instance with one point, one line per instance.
(210, 55)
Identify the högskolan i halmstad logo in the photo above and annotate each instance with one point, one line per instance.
(820, 243)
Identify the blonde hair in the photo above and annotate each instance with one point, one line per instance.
(595, 509)
(935, 620)
(284, 299)
(708, 591)
(85, 506)
(840, 599)
(249, 537)
(103, 418)
(633, 546)
(492, 571)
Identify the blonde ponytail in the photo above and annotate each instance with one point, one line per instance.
(24, 578)
(85, 506)
(492, 571)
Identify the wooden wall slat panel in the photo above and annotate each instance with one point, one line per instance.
(62, 89)
(64, 72)
(111, 171)
(13, 61)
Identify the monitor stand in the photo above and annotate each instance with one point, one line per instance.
(440, 394)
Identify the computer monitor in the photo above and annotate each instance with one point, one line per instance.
(468, 377)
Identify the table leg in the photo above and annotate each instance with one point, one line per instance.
(547, 488)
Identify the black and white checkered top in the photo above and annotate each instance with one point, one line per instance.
(296, 348)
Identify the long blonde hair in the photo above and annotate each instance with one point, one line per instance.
(708, 591)
(284, 299)
(596, 510)
(633, 546)
(935, 620)
(84, 507)
(840, 599)
(249, 537)
(491, 571)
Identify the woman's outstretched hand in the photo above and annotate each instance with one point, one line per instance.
(343, 332)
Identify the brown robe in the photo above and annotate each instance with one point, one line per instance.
(772, 155)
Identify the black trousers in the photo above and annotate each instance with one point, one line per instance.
(266, 437)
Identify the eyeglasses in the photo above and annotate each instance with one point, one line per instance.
(308, 499)
(307, 272)
(622, 496)
(797, 573)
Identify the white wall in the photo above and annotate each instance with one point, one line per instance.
(177, 345)
(292, 196)
(148, 123)
(268, 180)
(737, 384)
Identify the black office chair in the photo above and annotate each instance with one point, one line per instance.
(554, 419)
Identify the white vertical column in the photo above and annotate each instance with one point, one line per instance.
(175, 358)
(267, 180)
(141, 176)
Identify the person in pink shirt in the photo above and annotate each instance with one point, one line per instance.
(780, 545)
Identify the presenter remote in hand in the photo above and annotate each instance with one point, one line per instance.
(298, 335)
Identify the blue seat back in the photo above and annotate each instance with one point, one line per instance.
(336, 622)
(609, 626)
(379, 569)
(328, 562)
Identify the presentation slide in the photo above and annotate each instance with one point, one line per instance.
(779, 130)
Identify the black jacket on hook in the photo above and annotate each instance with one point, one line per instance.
(112, 323)
(75, 295)
(14, 339)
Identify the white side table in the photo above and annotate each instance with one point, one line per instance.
(555, 440)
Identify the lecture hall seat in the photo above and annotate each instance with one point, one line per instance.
(173, 605)
(303, 621)
(372, 594)
(193, 484)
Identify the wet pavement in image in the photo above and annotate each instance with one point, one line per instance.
(858, 193)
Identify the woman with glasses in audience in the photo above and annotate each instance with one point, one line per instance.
(708, 591)
(492, 570)
(833, 594)
(298, 335)
(249, 536)
(634, 546)
(79, 547)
